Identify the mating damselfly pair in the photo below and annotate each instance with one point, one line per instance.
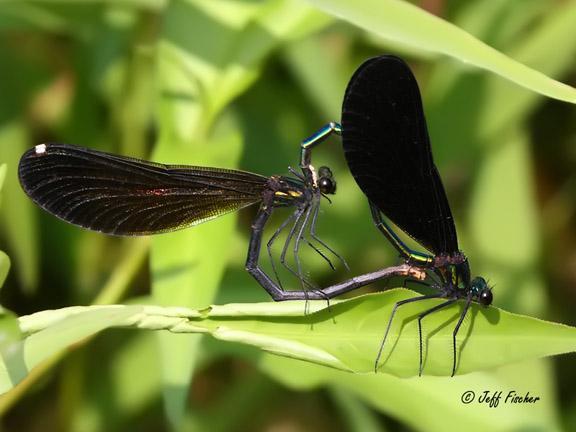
(387, 148)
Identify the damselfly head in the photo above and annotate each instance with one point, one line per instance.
(326, 181)
(481, 291)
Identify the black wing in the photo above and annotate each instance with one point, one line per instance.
(388, 151)
(125, 196)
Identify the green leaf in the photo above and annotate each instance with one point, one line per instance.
(434, 404)
(50, 332)
(352, 341)
(405, 23)
(344, 336)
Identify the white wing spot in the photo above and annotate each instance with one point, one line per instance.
(40, 148)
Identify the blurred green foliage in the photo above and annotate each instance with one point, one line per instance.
(238, 83)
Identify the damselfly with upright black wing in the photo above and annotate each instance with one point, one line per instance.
(387, 148)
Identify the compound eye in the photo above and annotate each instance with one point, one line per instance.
(327, 185)
(326, 182)
(485, 297)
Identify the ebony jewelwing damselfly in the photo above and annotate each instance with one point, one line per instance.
(388, 151)
(387, 148)
(124, 196)
(119, 195)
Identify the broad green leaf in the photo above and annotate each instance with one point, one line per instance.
(345, 336)
(405, 23)
(428, 396)
(351, 343)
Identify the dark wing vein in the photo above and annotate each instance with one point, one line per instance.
(387, 148)
(126, 196)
